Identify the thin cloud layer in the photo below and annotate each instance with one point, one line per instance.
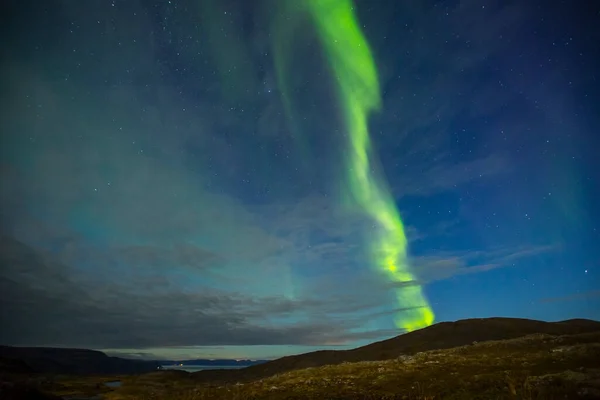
(150, 312)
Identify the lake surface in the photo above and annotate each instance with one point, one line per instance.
(196, 368)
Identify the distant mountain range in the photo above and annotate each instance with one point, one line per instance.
(86, 362)
(212, 362)
(443, 335)
(68, 361)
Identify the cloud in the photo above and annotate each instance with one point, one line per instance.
(134, 249)
(123, 188)
(435, 98)
(391, 312)
(592, 294)
(183, 255)
(444, 265)
(439, 175)
(133, 313)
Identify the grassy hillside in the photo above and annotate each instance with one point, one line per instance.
(497, 358)
(538, 366)
(443, 335)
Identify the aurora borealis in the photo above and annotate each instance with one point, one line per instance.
(224, 178)
(356, 74)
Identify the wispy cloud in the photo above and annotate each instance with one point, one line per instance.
(592, 294)
(454, 40)
(441, 176)
(444, 265)
(135, 312)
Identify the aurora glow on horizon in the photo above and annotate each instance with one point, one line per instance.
(253, 179)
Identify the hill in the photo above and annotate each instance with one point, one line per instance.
(67, 361)
(443, 335)
(499, 358)
(538, 366)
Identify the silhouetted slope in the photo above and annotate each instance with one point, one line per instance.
(537, 366)
(19, 391)
(69, 361)
(443, 335)
(14, 366)
(452, 334)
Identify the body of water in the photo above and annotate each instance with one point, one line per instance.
(196, 368)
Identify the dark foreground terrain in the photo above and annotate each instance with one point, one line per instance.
(47, 360)
(562, 364)
(443, 335)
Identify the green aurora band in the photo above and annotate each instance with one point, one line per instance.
(353, 66)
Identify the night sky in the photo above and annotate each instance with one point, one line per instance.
(251, 179)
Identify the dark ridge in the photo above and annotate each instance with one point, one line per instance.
(15, 366)
(19, 391)
(50, 360)
(443, 335)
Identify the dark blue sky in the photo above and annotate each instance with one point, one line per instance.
(163, 194)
